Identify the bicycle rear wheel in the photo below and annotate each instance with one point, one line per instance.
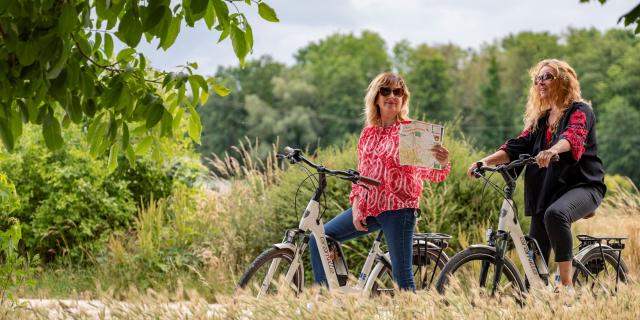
(597, 270)
(427, 265)
(473, 270)
(267, 272)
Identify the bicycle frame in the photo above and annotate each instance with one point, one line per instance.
(311, 220)
(534, 265)
(535, 268)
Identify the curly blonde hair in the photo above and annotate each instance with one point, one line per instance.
(563, 90)
(372, 110)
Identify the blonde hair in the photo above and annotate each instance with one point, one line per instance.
(563, 90)
(372, 110)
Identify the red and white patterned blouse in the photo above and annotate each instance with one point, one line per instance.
(401, 186)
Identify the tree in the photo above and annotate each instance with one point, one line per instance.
(429, 81)
(225, 119)
(619, 138)
(496, 115)
(58, 66)
(341, 67)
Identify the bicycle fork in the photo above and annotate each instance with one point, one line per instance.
(499, 240)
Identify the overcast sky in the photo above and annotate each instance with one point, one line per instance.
(467, 23)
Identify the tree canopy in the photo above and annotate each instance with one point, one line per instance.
(319, 99)
(58, 66)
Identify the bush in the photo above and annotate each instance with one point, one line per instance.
(9, 200)
(70, 204)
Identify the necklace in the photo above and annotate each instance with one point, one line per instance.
(553, 126)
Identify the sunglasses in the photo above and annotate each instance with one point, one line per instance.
(544, 77)
(386, 91)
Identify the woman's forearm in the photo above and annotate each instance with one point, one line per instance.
(498, 157)
(561, 146)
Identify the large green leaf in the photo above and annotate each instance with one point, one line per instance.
(239, 43)
(143, 146)
(267, 13)
(125, 54)
(210, 16)
(75, 110)
(248, 35)
(195, 126)
(221, 90)
(171, 33)
(108, 45)
(154, 114)
(51, 131)
(67, 20)
(152, 16)
(113, 157)
(130, 29)
(59, 65)
(222, 12)
(6, 135)
(198, 7)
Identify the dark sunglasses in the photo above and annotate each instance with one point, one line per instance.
(544, 77)
(386, 91)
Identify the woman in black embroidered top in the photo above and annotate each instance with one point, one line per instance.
(556, 122)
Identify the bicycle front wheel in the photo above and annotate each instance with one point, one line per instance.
(473, 270)
(597, 270)
(266, 275)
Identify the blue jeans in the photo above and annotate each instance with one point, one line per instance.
(397, 227)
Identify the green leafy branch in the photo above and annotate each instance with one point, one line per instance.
(58, 66)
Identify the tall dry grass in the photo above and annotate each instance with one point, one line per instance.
(619, 216)
(320, 304)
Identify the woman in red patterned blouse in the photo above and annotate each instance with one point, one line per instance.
(392, 205)
(557, 122)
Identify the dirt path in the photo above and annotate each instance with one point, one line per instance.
(96, 309)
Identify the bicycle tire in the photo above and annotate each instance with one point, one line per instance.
(262, 264)
(384, 278)
(604, 271)
(484, 255)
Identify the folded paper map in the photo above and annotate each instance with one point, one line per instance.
(416, 140)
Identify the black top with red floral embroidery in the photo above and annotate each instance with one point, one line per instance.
(579, 167)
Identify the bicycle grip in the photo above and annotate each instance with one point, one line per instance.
(477, 172)
(370, 181)
(288, 151)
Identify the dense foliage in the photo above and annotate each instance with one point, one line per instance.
(58, 66)
(69, 202)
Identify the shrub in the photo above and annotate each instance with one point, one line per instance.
(9, 200)
(70, 204)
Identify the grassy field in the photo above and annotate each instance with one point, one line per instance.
(191, 248)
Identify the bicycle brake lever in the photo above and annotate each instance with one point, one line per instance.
(477, 172)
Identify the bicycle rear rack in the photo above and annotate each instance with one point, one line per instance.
(614, 243)
(421, 242)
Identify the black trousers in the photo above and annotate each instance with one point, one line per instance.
(553, 228)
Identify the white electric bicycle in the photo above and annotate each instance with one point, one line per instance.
(281, 266)
(597, 264)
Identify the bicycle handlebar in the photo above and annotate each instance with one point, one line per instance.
(295, 156)
(524, 160)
